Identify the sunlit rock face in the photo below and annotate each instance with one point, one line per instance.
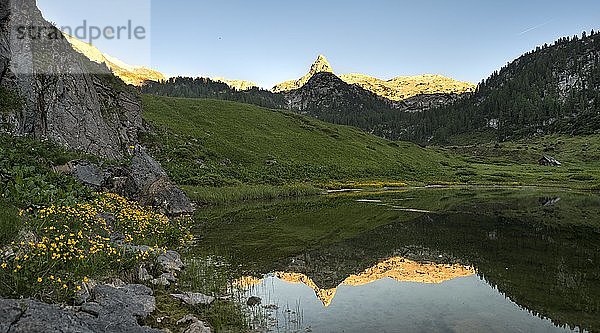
(396, 268)
(321, 65)
(239, 85)
(134, 75)
(404, 87)
(396, 89)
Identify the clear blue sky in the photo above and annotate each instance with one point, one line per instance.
(268, 41)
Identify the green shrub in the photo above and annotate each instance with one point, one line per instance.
(9, 223)
(9, 101)
(27, 178)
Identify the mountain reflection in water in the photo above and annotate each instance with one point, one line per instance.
(451, 260)
(396, 268)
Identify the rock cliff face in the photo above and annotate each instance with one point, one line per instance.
(66, 98)
(134, 75)
(326, 95)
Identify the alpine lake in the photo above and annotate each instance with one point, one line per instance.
(416, 260)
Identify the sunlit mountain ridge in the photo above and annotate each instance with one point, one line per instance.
(396, 268)
(396, 89)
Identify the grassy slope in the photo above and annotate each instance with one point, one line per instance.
(517, 161)
(217, 143)
(214, 144)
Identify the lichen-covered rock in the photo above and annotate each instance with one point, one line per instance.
(194, 299)
(144, 181)
(170, 261)
(153, 186)
(195, 325)
(110, 309)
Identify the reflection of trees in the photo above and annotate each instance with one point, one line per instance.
(541, 257)
(549, 271)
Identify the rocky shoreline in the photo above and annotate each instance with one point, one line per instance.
(114, 307)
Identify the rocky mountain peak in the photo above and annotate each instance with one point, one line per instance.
(398, 89)
(320, 65)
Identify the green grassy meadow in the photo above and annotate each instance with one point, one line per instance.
(218, 143)
(222, 151)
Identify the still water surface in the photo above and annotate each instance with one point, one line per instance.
(431, 260)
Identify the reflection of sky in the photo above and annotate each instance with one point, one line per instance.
(460, 305)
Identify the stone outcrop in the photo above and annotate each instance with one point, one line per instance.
(66, 97)
(77, 103)
(144, 181)
(194, 299)
(195, 325)
(110, 309)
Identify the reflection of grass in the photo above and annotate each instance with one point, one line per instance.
(266, 232)
(208, 276)
(222, 195)
(223, 316)
(282, 229)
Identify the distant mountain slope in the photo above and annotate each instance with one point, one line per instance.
(396, 89)
(211, 142)
(134, 75)
(403, 87)
(137, 75)
(237, 84)
(554, 89)
(327, 97)
(207, 88)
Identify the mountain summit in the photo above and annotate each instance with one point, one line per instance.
(397, 89)
(321, 65)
